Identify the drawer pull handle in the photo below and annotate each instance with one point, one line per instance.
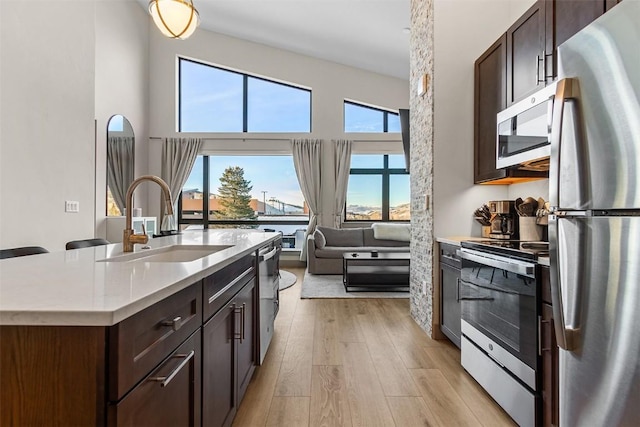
(244, 311)
(164, 381)
(175, 323)
(231, 284)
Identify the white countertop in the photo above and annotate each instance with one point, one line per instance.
(71, 288)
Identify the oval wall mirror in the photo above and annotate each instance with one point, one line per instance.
(120, 161)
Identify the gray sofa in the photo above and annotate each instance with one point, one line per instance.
(326, 246)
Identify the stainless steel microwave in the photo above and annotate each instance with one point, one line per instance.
(524, 131)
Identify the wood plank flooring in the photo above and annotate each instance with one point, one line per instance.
(360, 363)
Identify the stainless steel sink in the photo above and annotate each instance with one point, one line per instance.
(175, 253)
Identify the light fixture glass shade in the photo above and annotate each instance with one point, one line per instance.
(177, 19)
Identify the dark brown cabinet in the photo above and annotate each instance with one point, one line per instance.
(526, 54)
(490, 97)
(169, 396)
(158, 367)
(450, 293)
(229, 356)
(564, 18)
(521, 62)
(549, 356)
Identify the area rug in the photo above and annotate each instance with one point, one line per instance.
(330, 286)
(287, 279)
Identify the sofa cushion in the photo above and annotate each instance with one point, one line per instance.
(319, 238)
(342, 236)
(370, 240)
(386, 231)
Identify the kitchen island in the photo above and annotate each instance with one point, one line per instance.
(97, 337)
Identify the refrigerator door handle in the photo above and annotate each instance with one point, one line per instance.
(565, 337)
(565, 89)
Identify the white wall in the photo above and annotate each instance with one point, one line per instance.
(47, 132)
(463, 30)
(330, 82)
(121, 87)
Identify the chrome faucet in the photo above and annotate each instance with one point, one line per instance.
(130, 238)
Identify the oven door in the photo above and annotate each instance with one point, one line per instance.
(498, 300)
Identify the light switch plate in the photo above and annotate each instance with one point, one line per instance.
(71, 206)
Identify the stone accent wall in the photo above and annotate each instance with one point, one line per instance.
(421, 106)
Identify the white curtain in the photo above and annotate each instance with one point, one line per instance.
(119, 168)
(307, 156)
(342, 164)
(178, 157)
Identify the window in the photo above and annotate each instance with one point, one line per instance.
(361, 118)
(246, 191)
(378, 189)
(213, 99)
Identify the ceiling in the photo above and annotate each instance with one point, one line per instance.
(366, 34)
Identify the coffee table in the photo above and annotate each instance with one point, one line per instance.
(387, 271)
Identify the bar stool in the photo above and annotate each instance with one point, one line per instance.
(23, 251)
(79, 244)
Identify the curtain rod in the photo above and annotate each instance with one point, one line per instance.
(228, 138)
(272, 139)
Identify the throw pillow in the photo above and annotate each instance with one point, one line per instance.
(385, 231)
(319, 238)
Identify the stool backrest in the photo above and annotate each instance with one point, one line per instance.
(24, 251)
(79, 244)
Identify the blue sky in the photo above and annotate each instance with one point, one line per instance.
(212, 101)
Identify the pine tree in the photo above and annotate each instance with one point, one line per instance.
(233, 195)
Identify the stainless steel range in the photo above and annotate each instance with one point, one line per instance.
(500, 308)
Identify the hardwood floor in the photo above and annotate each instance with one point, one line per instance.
(360, 362)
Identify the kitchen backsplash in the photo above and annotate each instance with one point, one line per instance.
(535, 189)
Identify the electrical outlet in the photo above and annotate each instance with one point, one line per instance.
(424, 287)
(71, 206)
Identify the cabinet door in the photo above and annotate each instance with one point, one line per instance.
(564, 19)
(246, 348)
(525, 54)
(489, 99)
(169, 396)
(218, 368)
(450, 305)
(549, 347)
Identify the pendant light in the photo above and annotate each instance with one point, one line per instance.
(176, 19)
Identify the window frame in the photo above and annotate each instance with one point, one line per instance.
(205, 221)
(245, 96)
(386, 173)
(385, 116)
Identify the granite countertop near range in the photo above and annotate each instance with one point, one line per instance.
(77, 287)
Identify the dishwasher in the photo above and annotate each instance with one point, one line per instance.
(268, 285)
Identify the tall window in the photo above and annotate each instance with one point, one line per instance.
(253, 191)
(378, 188)
(362, 118)
(213, 99)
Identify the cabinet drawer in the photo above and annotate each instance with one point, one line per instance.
(168, 396)
(221, 286)
(138, 344)
(448, 255)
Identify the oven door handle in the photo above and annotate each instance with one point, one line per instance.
(477, 299)
(518, 267)
(267, 256)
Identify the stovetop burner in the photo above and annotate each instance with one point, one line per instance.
(510, 248)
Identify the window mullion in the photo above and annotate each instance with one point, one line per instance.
(205, 192)
(245, 102)
(385, 188)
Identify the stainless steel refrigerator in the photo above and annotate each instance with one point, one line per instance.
(594, 234)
